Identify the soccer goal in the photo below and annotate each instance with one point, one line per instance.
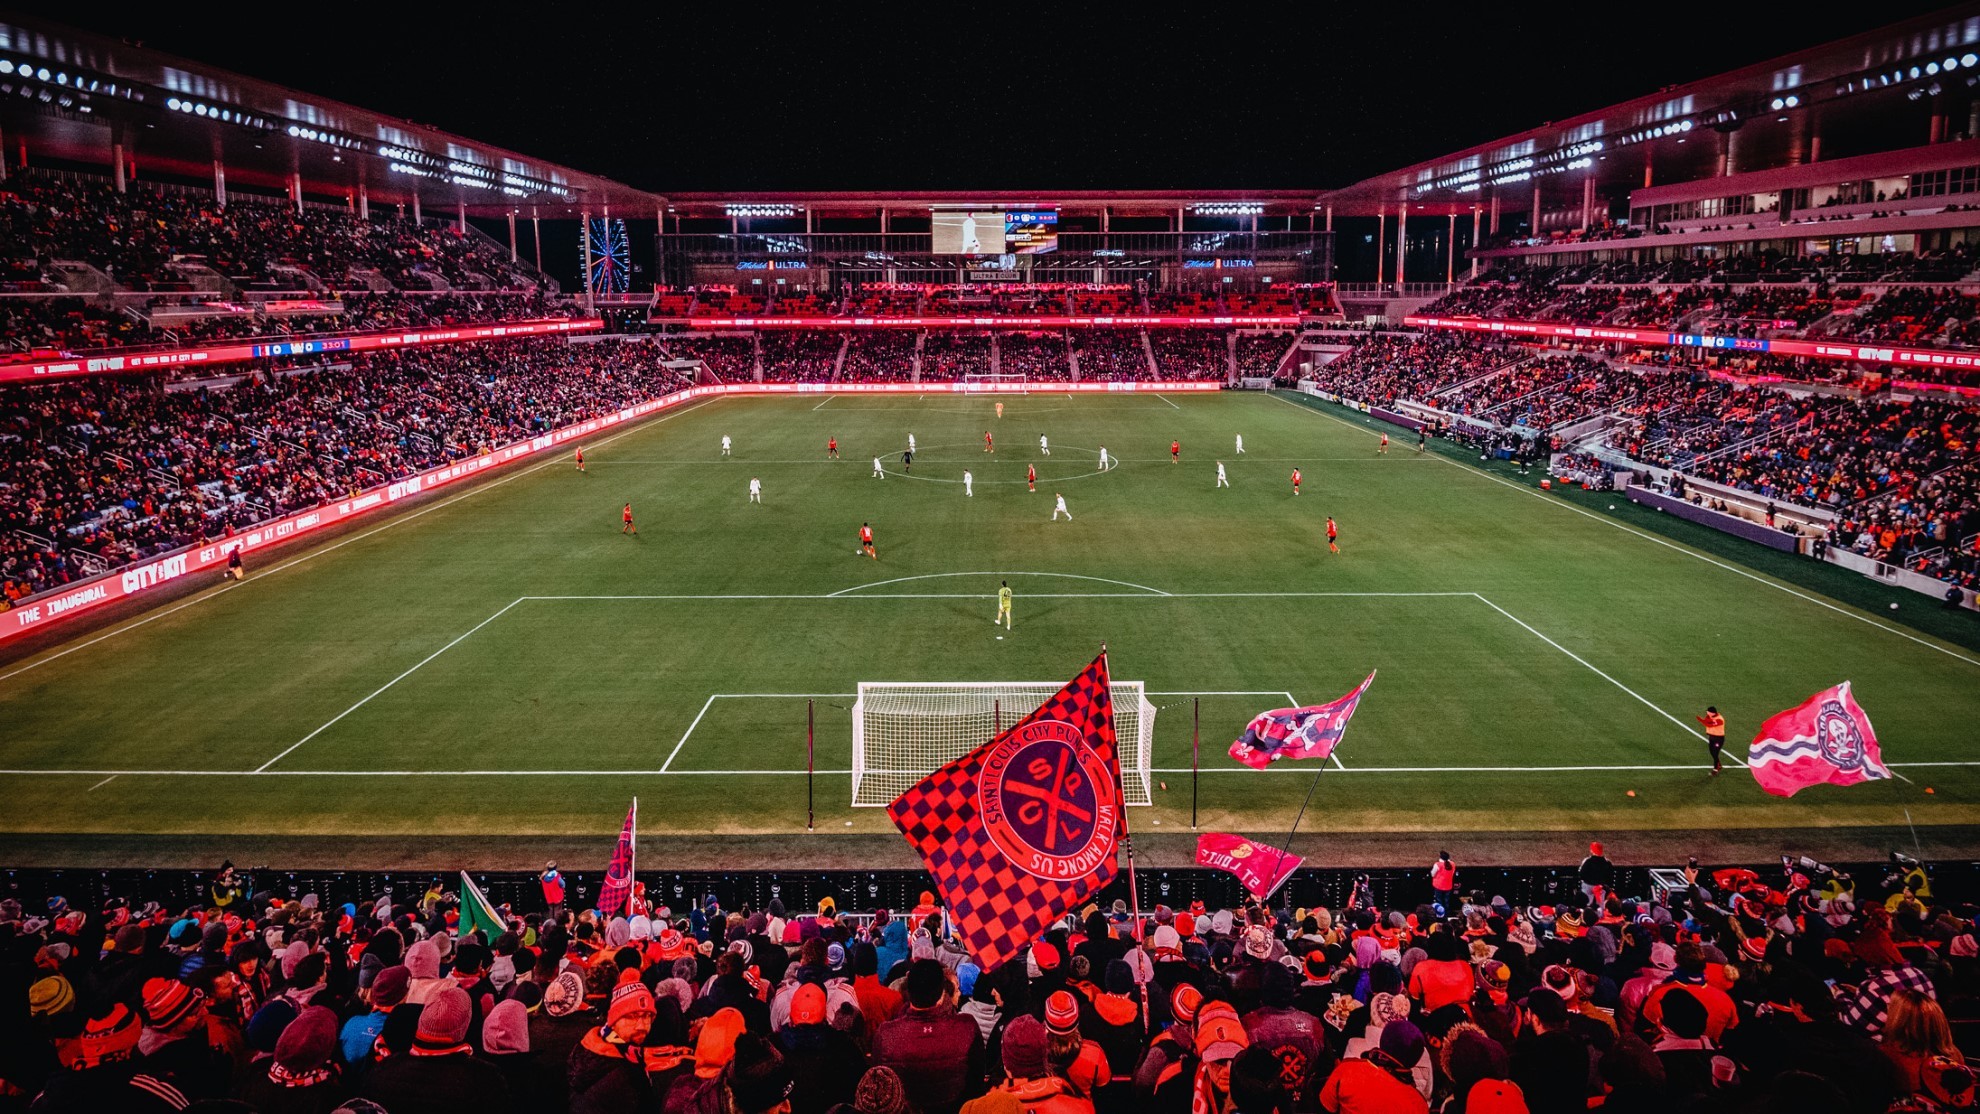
(902, 731)
(986, 383)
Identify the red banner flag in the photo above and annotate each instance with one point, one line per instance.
(1262, 869)
(612, 896)
(1827, 740)
(1310, 732)
(1024, 828)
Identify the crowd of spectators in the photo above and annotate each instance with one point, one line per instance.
(1387, 368)
(1111, 355)
(1544, 393)
(1798, 990)
(879, 356)
(101, 472)
(1033, 355)
(1259, 354)
(731, 359)
(950, 354)
(800, 356)
(1191, 353)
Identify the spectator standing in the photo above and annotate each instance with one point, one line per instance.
(1597, 874)
(937, 1053)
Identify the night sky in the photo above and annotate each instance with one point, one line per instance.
(688, 97)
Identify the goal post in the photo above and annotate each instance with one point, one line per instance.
(902, 731)
(998, 383)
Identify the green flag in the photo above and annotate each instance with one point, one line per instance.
(477, 912)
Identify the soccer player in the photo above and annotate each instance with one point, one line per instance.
(1044, 446)
(725, 444)
(234, 567)
(879, 473)
(1715, 735)
(1383, 450)
(1031, 477)
(1003, 604)
(1295, 480)
(755, 490)
(580, 458)
(1000, 410)
(1175, 452)
(1059, 508)
(1222, 480)
(910, 442)
(989, 446)
(625, 516)
(907, 462)
(866, 541)
(832, 447)
(1240, 447)
(1333, 535)
(1104, 462)
(968, 480)
(1421, 438)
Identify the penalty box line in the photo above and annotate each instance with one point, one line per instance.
(108, 774)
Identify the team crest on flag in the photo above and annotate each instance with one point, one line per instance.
(1827, 740)
(1262, 868)
(1310, 732)
(614, 896)
(1024, 828)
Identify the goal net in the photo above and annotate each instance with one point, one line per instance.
(903, 731)
(987, 383)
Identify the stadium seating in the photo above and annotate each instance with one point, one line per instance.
(1108, 355)
(880, 356)
(104, 471)
(950, 354)
(1190, 353)
(731, 359)
(1033, 355)
(800, 357)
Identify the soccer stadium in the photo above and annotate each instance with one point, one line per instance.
(768, 585)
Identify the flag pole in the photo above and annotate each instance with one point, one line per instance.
(1195, 755)
(1281, 856)
(810, 762)
(1120, 794)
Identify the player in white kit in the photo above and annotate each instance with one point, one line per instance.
(1044, 446)
(725, 444)
(755, 490)
(967, 481)
(1059, 507)
(1104, 463)
(879, 473)
(1222, 480)
(1240, 439)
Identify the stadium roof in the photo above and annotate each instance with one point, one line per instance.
(1875, 91)
(68, 92)
(1268, 202)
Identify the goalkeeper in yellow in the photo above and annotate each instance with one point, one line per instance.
(1003, 605)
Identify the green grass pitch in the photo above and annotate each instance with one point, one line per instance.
(501, 662)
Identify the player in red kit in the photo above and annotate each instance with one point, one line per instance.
(1030, 478)
(1175, 452)
(1295, 480)
(580, 458)
(866, 541)
(625, 516)
(1333, 535)
(989, 446)
(1384, 450)
(832, 447)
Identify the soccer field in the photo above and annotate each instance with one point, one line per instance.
(503, 663)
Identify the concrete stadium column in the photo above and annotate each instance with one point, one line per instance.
(1495, 214)
(1105, 212)
(1381, 238)
(117, 156)
(364, 202)
(536, 231)
(1587, 201)
(1815, 141)
(1726, 154)
(512, 235)
(415, 196)
(1475, 214)
(1330, 218)
(1402, 242)
(884, 222)
(295, 187)
(460, 219)
(1450, 252)
(220, 183)
(3, 157)
(1649, 176)
(1534, 228)
(807, 221)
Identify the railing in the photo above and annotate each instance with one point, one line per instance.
(1393, 290)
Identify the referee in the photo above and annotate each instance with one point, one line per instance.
(1003, 605)
(1715, 735)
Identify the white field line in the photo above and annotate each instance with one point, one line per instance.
(1151, 594)
(400, 520)
(725, 461)
(706, 704)
(1170, 403)
(821, 404)
(347, 711)
(1666, 543)
(1639, 697)
(945, 575)
(104, 782)
(108, 774)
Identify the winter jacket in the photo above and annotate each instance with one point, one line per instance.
(1050, 1095)
(609, 1077)
(938, 1055)
(409, 1084)
(825, 1066)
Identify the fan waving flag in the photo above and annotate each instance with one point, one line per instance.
(613, 895)
(1262, 869)
(1310, 732)
(1024, 828)
(478, 913)
(1828, 740)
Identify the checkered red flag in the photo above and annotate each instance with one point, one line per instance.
(1024, 828)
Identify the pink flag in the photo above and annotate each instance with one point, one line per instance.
(1262, 869)
(619, 876)
(1310, 732)
(1826, 740)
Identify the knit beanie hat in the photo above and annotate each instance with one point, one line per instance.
(50, 996)
(445, 1020)
(1062, 1012)
(389, 987)
(808, 1005)
(1025, 1047)
(629, 999)
(718, 1042)
(167, 1002)
(104, 1040)
(1219, 1034)
(1184, 1001)
(309, 1041)
(880, 1090)
(506, 1029)
(757, 1077)
(423, 960)
(1403, 1042)
(565, 994)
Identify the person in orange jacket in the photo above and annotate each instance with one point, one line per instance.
(1715, 735)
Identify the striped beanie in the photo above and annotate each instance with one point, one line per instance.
(167, 1002)
(50, 996)
(1061, 1012)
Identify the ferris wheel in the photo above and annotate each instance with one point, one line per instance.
(611, 256)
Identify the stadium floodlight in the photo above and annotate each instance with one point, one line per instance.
(903, 731)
